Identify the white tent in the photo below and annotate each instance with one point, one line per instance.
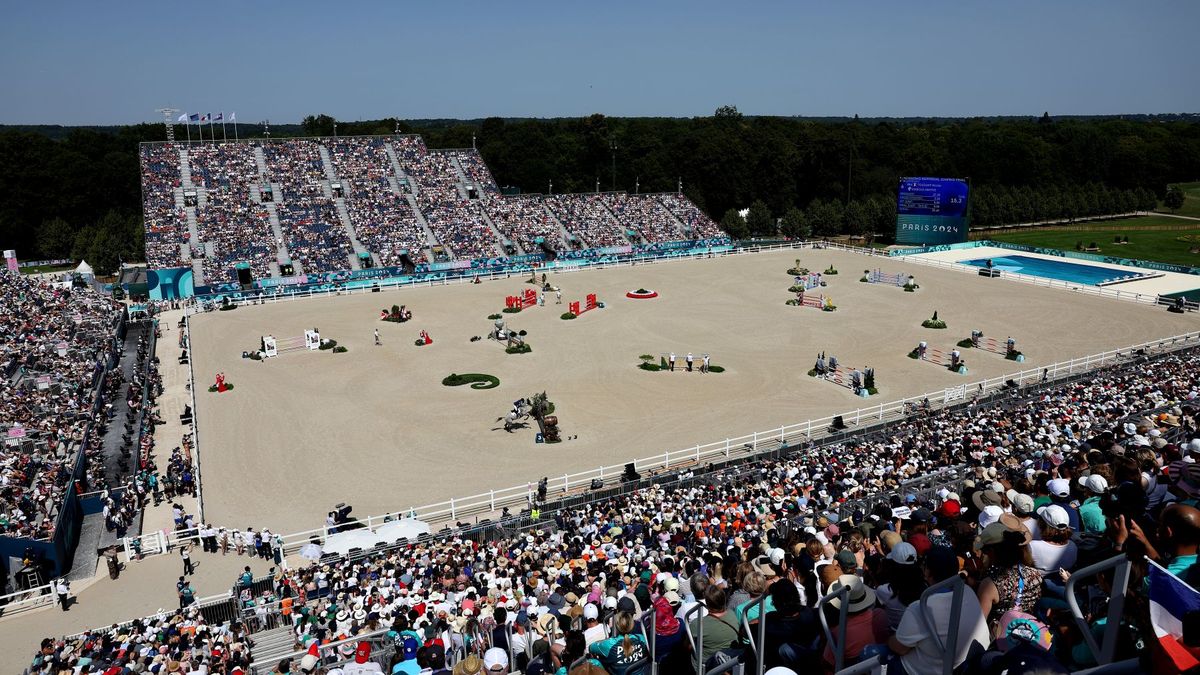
(85, 269)
(408, 528)
(342, 542)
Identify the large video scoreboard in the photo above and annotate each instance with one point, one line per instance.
(931, 211)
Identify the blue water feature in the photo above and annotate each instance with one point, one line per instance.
(1076, 273)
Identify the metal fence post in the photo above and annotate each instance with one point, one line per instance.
(452, 513)
(726, 448)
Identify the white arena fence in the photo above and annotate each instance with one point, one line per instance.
(488, 504)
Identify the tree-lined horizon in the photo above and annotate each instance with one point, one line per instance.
(78, 194)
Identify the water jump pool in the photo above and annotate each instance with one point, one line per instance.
(1073, 272)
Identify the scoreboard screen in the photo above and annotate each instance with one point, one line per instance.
(931, 211)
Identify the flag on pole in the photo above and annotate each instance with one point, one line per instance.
(1170, 600)
(232, 117)
(206, 117)
(182, 118)
(219, 118)
(194, 117)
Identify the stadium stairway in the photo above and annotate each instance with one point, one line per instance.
(620, 225)
(430, 240)
(344, 217)
(497, 234)
(562, 229)
(281, 252)
(197, 272)
(398, 170)
(327, 162)
(462, 178)
(260, 160)
(272, 645)
(679, 227)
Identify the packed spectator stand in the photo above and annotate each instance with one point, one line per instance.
(237, 229)
(165, 222)
(644, 214)
(477, 172)
(587, 216)
(524, 219)
(702, 227)
(314, 234)
(56, 343)
(770, 561)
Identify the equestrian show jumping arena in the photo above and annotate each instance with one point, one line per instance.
(375, 428)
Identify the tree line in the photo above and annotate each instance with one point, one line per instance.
(822, 177)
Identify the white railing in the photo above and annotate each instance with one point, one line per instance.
(520, 496)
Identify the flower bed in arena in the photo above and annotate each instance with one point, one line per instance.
(641, 294)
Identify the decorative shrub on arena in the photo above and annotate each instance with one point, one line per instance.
(493, 317)
(796, 289)
(866, 276)
(328, 344)
(518, 349)
(831, 270)
(511, 310)
(647, 363)
(793, 302)
(476, 380)
(966, 344)
(567, 316)
(340, 350)
(213, 387)
(829, 308)
(798, 271)
(1012, 356)
(935, 322)
(256, 356)
(715, 369)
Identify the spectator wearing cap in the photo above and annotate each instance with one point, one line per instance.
(1013, 583)
(363, 665)
(866, 624)
(593, 631)
(1055, 550)
(918, 530)
(906, 582)
(432, 659)
(405, 658)
(921, 636)
(1090, 515)
(1060, 493)
(1023, 507)
(495, 661)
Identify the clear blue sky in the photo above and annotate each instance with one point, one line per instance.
(75, 62)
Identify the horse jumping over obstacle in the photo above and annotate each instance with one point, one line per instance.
(272, 346)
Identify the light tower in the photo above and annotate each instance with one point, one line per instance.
(169, 122)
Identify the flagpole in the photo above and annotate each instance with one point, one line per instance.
(200, 129)
(235, 126)
(223, 136)
(188, 124)
(211, 135)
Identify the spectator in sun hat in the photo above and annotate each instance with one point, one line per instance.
(495, 661)
(1012, 582)
(866, 623)
(1060, 493)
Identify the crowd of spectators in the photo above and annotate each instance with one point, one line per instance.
(165, 224)
(238, 230)
(645, 214)
(235, 230)
(54, 343)
(586, 216)
(1033, 486)
(315, 235)
(681, 207)
(524, 219)
(477, 172)
(297, 167)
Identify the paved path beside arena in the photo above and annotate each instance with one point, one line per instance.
(375, 428)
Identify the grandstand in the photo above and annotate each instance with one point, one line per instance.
(332, 205)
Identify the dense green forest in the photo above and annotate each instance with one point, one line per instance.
(75, 192)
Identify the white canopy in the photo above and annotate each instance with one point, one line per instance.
(84, 269)
(408, 528)
(341, 542)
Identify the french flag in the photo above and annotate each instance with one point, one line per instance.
(1170, 600)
